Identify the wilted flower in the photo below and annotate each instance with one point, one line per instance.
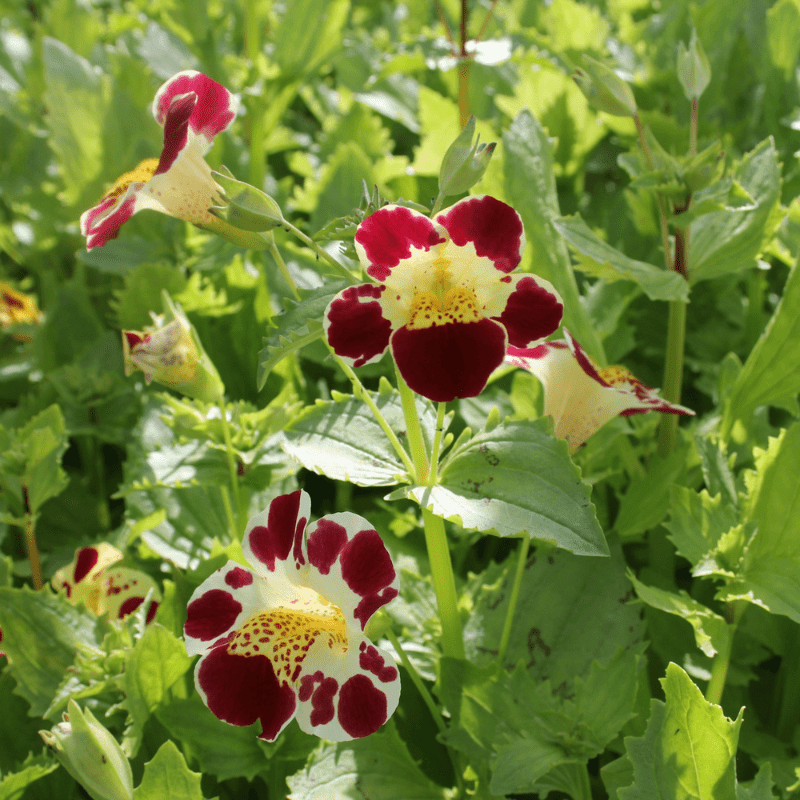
(91, 755)
(192, 108)
(580, 397)
(443, 297)
(16, 308)
(170, 353)
(92, 579)
(285, 638)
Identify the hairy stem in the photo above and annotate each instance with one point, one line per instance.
(321, 252)
(281, 264)
(30, 543)
(233, 469)
(522, 557)
(719, 666)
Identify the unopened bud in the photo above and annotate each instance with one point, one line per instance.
(464, 162)
(694, 70)
(246, 208)
(604, 89)
(91, 755)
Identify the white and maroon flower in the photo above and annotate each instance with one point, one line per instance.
(192, 108)
(285, 638)
(107, 590)
(443, 297)
(581, 397)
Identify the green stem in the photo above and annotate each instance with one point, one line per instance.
(233, 469)
(673, 375)
(437, 443)
(719, 667)
(226, 502)
(33, 550)
(522, 557)
(321, 252)
(429, 702)
(437, 204)
(413, 430)
(463, 70)
(693, 129)
(278, 259)
(361, 392)
(786, 700)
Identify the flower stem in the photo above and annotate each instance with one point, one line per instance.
(413, 431)
(786, 700)
(226, 502)
(278, 259)
(719, 667)
(321, 252)
(437, 443)
(360, 391)
(673, 375)
(463, 69)
(33, 550)
(522, 557)
(233, 470)
(693, 128)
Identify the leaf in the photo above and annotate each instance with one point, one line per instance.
(726, 242)
(516, 478)
(710, 630)
(300, 325)
(167, 775)
(772, 370)
(376, 766)
(688, 750)
(225, 751)
(41, 634)
(770, 573)
(531, 187)
(605, 261)
(14, 784)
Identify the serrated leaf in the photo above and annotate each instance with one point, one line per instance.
(605, 261)
(516, 478)
(13, 785)
(710, 630)
(299, 326)
(376, 766)
(688, 751)
(168, 776)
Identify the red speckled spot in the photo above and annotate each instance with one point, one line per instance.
(371, 660)
(492, 226)
(87, 558)
(321, 697)
(12, 301)
(129, 606)
(151, 612)
(274, 541)
(324, 544)
(366, 565)
(388, 235)
(356, 327)
(370, 604)
(444, 362)
(211, 614)
(362, 707)
(531, 313)
(238, 577)
(242, 689)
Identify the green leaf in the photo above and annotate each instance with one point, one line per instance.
(300, 325)
(758, 789)
(516, 478)
(770, 571)
(772, 370)
(41, 634)
(376, 766)
(710, 630)
(726, 242)
(154, 664)
(342, 440)
(688, 750)
(13, 785)
(167, 776)
(604, 261)
(225, 751)
(531, 187)
(783, 35)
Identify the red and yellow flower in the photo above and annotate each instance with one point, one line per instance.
(443, 297)
(285, 639)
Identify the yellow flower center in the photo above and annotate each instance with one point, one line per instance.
(616, 375)
(141, 173)
(427, 310)
(285, 635)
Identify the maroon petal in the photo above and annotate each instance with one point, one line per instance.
(387, 237)
(211, 615)
(213, 110)
(85, 560)
(355, 325)
(492, 226)
(325, 541)
(531, 313)
(274, 541)
(176, 130)
(444, 362)
(362, 707)
(101, 224)
(242, 689)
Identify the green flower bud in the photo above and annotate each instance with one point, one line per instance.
(91, 755)
(464, 162)
(246, 208)
(604, 89)
(694, 71)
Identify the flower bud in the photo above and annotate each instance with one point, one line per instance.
(604, 89)
(246, 208)
(694, 71)
(91, 755)
(464, 162)
(170, 353)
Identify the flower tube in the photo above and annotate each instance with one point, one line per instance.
(443, 297)
(285, 638)
(580, 397)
